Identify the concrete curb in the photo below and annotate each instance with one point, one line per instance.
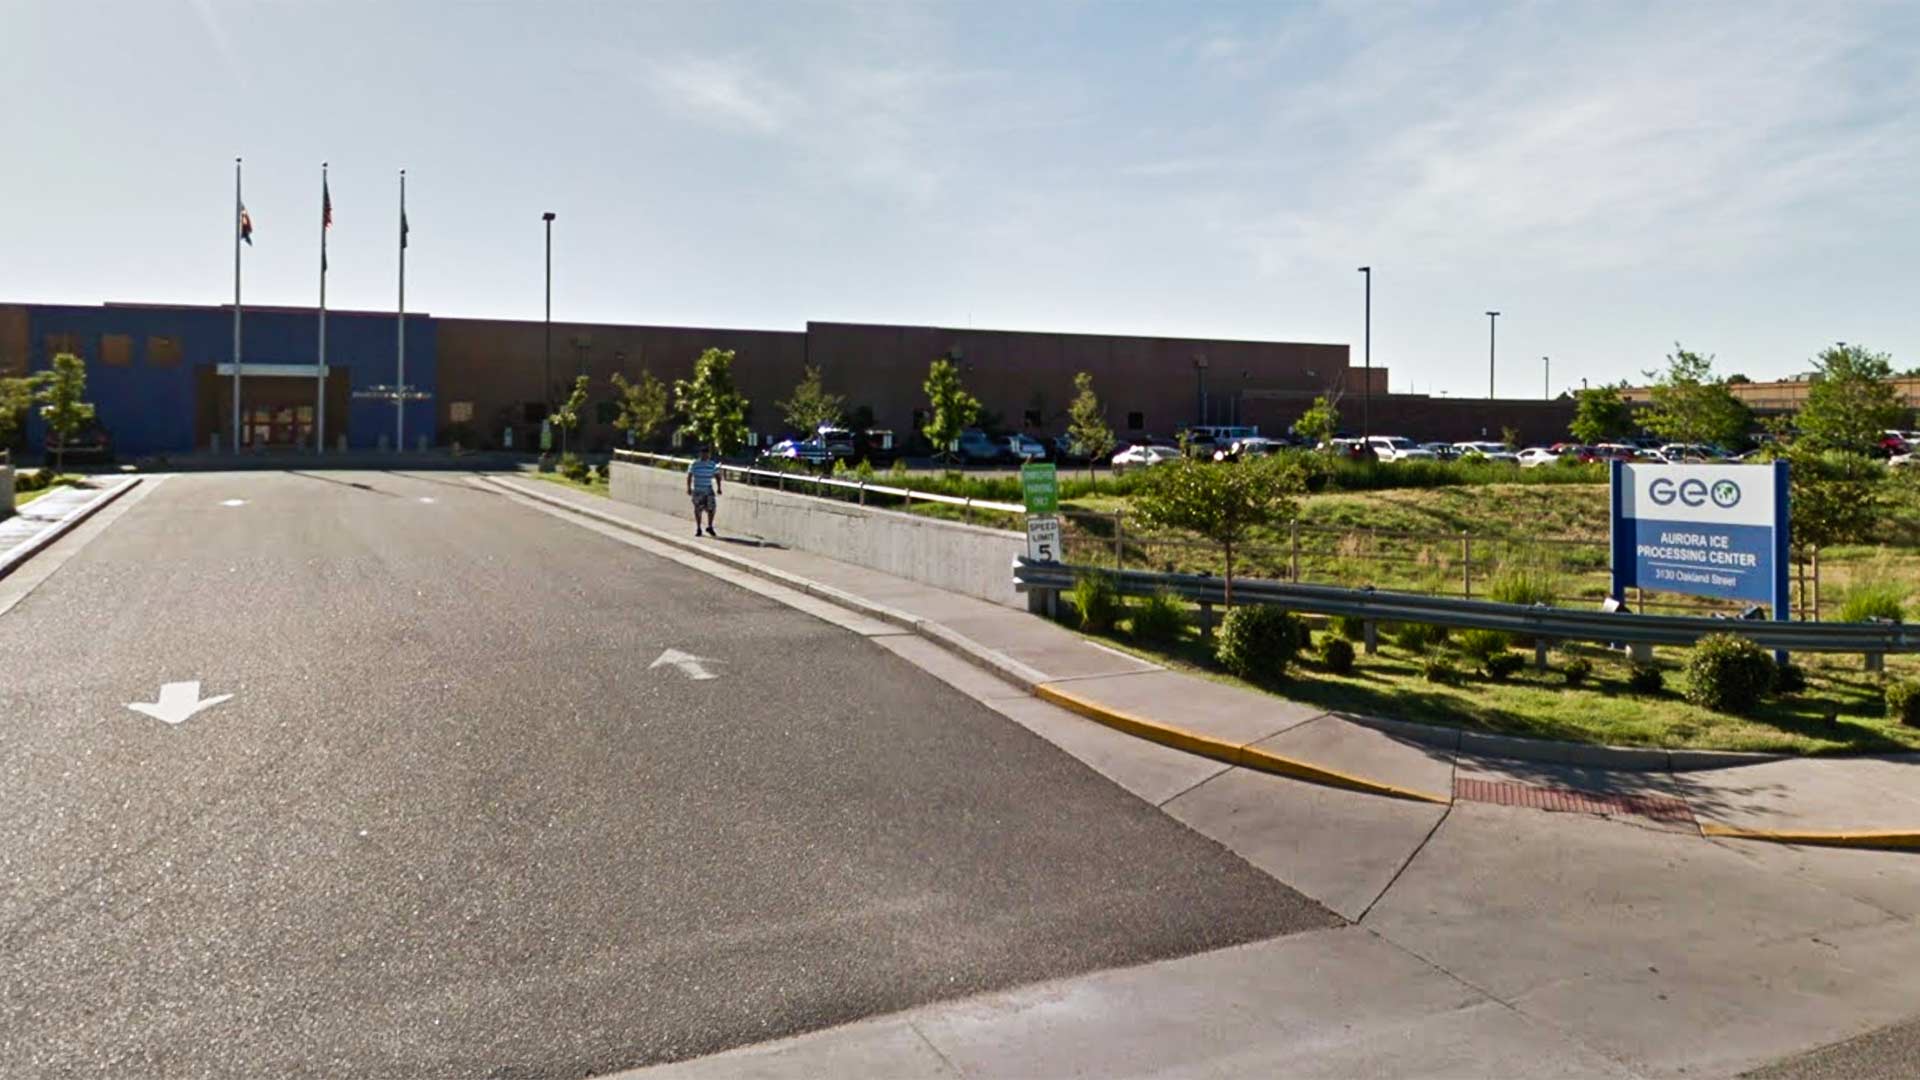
(1244, 755)
(13, 559)
(1892, 840)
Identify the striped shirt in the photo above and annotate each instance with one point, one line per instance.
(703, 473)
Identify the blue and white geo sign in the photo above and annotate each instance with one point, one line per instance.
(1710, 530)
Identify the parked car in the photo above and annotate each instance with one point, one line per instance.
(1142, 455)
(1535, 456)
(1061, 448)
(1398, 448)
(1023, 448)
(875, 446)
(91, 443)
(1486, 451)
(1252, 447)
(1690, 453)
(1900, 461)
(1893, 443)
(975, 448)
(1609, 451)
(805, 451)
(1442, 451)
(1351, 449)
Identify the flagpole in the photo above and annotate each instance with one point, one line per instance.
(238, 208)
(400, 384)
(320, 374)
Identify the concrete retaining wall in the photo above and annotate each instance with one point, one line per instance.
(948, 555)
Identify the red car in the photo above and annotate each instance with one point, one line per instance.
(1585, 455)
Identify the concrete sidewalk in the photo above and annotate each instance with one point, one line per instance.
(50, 516)
(1862, 801)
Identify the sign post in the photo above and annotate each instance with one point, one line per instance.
(1708, 530)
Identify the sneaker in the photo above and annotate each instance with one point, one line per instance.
(711, 533)
(696, 530)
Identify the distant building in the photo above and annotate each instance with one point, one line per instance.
(162, 376)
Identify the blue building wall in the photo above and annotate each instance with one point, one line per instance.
(149, 408)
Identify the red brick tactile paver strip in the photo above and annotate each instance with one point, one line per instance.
(1504, 793)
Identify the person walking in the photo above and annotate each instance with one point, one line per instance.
(703, 484)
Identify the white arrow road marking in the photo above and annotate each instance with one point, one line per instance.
(426, 498)
(233, 502)
(178, 701)
(689, 664)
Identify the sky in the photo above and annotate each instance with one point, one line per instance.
(1614, 177)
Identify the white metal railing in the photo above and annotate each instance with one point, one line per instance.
(860, 488)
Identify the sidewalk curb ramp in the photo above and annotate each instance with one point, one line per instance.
(40, 541)
(1225, 751)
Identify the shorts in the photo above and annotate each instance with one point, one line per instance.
(703, 501)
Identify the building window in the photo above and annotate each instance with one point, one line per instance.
(460, 412)
(163, 352)
(62, 343)
(1136, 421)
(116, 350)
(534, 411)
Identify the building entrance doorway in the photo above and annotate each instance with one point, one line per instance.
(277, 410)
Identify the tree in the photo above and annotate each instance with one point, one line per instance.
(61, 390)
(953, 409)
(1510, 438)
(1221, 502)
(716, 414)
(1600, 415)
(1836, 496)
(1850, 401)
(1319, 423)
(1087, 423)
(643, 405)
(566, 415)
(1690, 405)
(811, 407)
(16, 396)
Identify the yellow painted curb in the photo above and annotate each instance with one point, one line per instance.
(1898, 839)
(1221, 750)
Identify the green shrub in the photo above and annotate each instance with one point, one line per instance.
(1521, 585)
(1097, 601)
(1351, 627)
(1789, 678)
(1873, 600)
(1903, 702)
(1502, 666)
(1480, 644)
(1645, 679)
(1439, 669)
(573, 468)
(1577, 670)
(604, 471)
(1336, 654)
(1418, 637)
(1727, 673)
(1256, 642)
(1160, 617)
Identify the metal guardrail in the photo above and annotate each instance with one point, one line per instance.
(859, 487)
(1538, 622)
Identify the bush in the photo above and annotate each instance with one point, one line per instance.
(1645, 679)
(1257, 642)
(1727, 673)
(1097, 601)
(1336, 655)
(1480, 644)
(1160, 617)
(1439, 669)
(1789, 678)
(1873, 600)
(1518, 585)
(1351, 627)
(573, 468)
(1418, 637)
(1577, 670)
(1502, 666)
(1903, 702)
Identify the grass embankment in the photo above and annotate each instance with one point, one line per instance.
(1541, 705)
(21, 498)
(594, 484)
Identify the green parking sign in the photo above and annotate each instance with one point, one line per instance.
(1039, 488)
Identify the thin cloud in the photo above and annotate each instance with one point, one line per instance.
(722, 89)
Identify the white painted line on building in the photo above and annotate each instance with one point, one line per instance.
(178, 701)
(687, 663)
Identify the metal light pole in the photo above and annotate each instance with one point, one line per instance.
(1491, 316)
(1366, 398)
(546, 388)
(1546, 379)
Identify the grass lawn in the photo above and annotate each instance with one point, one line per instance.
(22, 498)
(594, 485)
(1390, 685)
